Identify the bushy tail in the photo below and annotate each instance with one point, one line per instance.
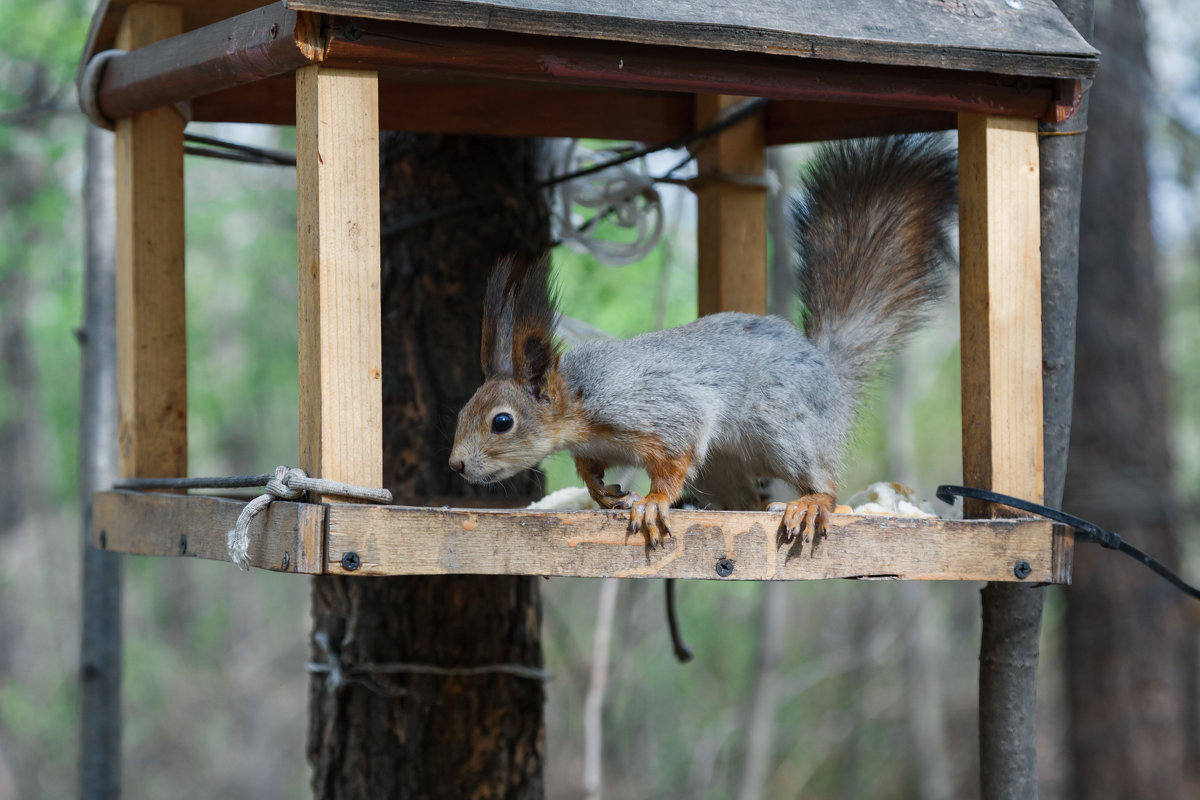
(871, 230)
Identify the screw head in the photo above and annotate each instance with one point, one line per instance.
(287, 560)
(352, 32)
(351, 561)
(1022, 569)
(725, 567)
(183, 545)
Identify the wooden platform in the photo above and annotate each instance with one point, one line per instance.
(718, 545)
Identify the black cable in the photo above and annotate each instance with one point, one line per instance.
(1085, 531)
(682, 652)
(232, 151)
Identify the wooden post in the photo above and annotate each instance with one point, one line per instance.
(1002, 417)
(731, 217)
(1001, 304)
(151, 344)
(337, 199)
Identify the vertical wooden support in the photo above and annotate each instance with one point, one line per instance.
(1001, 304)
(731, 215)
(151, 338)
(337, 185)
(1000, 255)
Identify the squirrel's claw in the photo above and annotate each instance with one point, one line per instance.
(622, 500)
(649, 516)
(807, 517)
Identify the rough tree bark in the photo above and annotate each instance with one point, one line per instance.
(1131, 643)
(418, 735)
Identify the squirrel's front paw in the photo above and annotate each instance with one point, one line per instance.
(649, 515)
(807, 517)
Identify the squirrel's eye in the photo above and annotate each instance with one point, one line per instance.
(502, 423)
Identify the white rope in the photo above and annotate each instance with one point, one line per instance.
(89, 87)
(285, 483)
(290, 483)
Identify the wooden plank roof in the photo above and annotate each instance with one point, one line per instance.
(989, 35)
(618, 69)
(1018, 37)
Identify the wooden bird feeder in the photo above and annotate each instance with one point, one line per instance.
(339, 70)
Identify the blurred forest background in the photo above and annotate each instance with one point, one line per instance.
(862, 689)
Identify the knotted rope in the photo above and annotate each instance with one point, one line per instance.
(287, 483)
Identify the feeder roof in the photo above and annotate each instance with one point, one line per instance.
(1018, 37)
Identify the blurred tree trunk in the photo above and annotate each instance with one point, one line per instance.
(401, 734)
(100, 629)
(1131, 644)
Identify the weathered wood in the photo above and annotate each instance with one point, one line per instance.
(259, 44)
(196, 13)
(976, 35)
(1001, 308)
(399, 540)
(792, 121)
(285, 537)
(151, 337)
(731, 213)
(464, 52)
(394, 540)
(206, 62)
(337, 188)
(546, 110)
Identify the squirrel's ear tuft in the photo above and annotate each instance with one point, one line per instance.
(495, 352)
(518, 323)
(534, 352)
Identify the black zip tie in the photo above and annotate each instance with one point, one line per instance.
(1084, 531)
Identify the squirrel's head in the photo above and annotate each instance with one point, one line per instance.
(512, 421)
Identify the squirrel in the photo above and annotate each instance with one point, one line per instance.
(732, 397)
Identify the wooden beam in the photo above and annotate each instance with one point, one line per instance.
(241, 50)
(460, 53)
(519, 109)
(1000, 256)
(396, 540)
(731, 214)
(337, 188)
(285, 537)
(151, 337)
(792, 121)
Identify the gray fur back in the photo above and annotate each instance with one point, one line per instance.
(736, 389)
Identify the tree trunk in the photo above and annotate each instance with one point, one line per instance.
(1130, 641)
(401, 733)
(100, 649)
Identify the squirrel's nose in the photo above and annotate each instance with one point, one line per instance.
(458, 466)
